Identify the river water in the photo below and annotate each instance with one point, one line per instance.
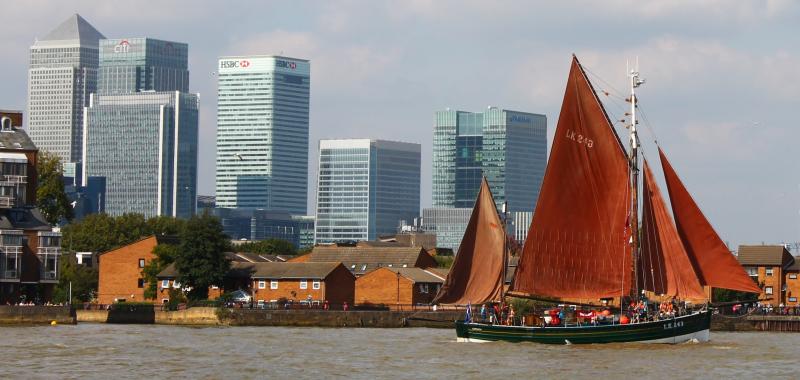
(149, 351)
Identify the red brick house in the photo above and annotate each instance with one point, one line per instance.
(793, 283)
(120, 271)
(767, 265)
(398, 286)
(276, 281)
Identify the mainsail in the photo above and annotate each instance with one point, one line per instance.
(711, 259)
(663, 266)
(477, 272)
(578, 242)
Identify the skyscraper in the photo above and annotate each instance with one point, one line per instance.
(262, 133)
(508, 147)
(62, 74)
(365, 188)
(141, 129)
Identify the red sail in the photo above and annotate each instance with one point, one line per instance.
(578, 242)
(663, 267)
(477, 272)
(711, 259)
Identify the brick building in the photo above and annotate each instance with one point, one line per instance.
(274, 281)
(398, 286)
(793, 283)
(767, 265)
(120, 271)
(30, 249)
(362, 259)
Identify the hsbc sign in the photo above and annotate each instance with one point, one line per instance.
(285, 64)
(232, 64)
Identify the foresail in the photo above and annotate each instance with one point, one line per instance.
(578, 242)
(712, 261)
(663, 266)
(477, 272)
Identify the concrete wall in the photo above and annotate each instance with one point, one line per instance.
(319, 318)
(143, 315)
(36, 315)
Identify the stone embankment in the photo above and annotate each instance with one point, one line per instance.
(357, 318)
(205, 316)
(10, 315)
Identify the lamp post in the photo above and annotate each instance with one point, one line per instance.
(398, 290)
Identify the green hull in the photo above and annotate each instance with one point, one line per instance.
(677, 330)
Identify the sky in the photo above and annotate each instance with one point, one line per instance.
(721, 94)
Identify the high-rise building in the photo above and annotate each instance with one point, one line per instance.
(141, 129)
(365, 188)
(262, 133)
(508, 147)
(62, 74)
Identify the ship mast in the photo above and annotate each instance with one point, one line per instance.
(635, 81)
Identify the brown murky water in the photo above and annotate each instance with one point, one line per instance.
(147, 351)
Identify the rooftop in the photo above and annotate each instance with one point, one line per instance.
(758, 255)
(75, 28)
(364, 259)
(266, 270)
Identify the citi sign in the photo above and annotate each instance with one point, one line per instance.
(234, 64)
(285, 64)
(122, 47)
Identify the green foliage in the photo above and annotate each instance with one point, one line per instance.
(101, 233)
(165, 255)
(444, 261)
(522, 306)
(727, 295)
(200, 259)
(51, 199)
(267, 247)
(83, 279)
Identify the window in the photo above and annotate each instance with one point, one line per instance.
(273, 285)
(141, 283)
(214, 287)
(315, 285)
(164, 283)
(793, 276)
(303, 284)
(792, 299)
(423, 288)
(768, 290)
(262, 284)
(752, 271)
(176, 284)
(769, 271)
(141, 263)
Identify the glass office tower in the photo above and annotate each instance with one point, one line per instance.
(508, 147)
(365, 188)
(62, 74)
(141, 130)
(262, 133)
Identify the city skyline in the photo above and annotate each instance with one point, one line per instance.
(719, 87)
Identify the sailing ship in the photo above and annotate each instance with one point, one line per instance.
(586, 242)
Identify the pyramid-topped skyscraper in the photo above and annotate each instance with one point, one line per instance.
(62, 74)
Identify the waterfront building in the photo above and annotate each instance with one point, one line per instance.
(141, 129)
(120, 276)
(305, 223)
(768, 266)
(508, 147)
(271, 282)
(262, 133)
(365, 188)
(793, 283)
(363, 259)
(30, 249)
(62, 74)
(398, 288)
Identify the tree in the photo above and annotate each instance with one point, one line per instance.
(51, 199)
(268, 247)
(83, 280)
(165, 255)
(200, 258)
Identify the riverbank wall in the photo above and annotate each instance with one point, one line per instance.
(196, 316)
(14, 315)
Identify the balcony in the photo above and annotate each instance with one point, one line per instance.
(7, 201)
(11, 179)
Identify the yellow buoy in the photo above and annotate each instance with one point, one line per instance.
(53, 323)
